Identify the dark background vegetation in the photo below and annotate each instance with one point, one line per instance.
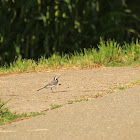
(32, 28)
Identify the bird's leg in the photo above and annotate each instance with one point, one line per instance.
(51, 89)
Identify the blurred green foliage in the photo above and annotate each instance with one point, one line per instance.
(33, 28)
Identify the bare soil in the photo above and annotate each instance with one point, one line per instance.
(22, 88)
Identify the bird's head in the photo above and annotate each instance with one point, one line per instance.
(56, 78)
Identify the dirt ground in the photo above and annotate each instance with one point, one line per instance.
(112, 117)
(22, 88)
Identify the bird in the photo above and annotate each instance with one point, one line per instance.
(51, 84)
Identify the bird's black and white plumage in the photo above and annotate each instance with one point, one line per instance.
(51, 84)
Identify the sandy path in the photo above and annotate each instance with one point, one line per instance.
(112, 117)
(22, 88)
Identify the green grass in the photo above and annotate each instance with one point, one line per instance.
(109, 53)
(111, 90)
(135, 82)
(80, 100)
(128, 85)
(6, 116)
(53, 106)
(121, 87)
(77, 100)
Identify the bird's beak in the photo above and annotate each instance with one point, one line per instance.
(57, 76)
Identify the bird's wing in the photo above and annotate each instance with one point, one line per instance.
(53, 83)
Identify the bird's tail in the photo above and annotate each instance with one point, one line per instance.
(40, 89)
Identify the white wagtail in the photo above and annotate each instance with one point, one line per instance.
(51, 84)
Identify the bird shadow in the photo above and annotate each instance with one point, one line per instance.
(60, 91)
